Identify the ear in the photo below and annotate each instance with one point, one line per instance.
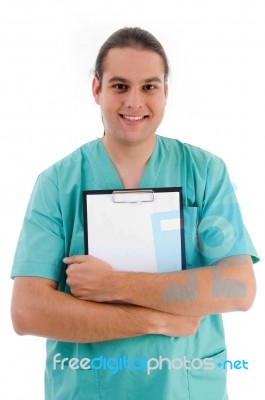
(166, 89)
(96, 90)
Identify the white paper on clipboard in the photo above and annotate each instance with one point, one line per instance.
(136, 230)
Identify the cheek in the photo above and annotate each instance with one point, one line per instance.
(109, 113)
(159, 107)
(108, 105)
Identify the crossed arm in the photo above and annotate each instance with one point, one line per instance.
(168, 304)
(227, 286)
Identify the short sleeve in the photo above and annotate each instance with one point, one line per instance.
(40, 247)
(221, 231)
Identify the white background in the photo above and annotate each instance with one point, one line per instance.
(216, 50)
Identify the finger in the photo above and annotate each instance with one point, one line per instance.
(69, 269)
(75, 259)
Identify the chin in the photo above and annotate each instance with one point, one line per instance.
(136, 136)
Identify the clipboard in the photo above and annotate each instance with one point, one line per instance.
(138, 230)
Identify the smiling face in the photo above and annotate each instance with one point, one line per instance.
(132, 95)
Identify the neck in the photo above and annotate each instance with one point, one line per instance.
(130, 159)
(129, 153)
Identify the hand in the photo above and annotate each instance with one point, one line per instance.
(89, 278)
(178, 325)
(162, 323)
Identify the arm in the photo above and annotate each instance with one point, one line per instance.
(38, 308)
(227, 286)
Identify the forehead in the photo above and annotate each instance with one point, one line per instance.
(133, 64)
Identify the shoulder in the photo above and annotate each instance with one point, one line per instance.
(69, 165)
(191, 154)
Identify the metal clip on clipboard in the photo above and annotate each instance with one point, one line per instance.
(132, 196)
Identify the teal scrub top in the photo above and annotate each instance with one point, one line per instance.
(53, 229)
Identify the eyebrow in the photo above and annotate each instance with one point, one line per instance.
(123, 80)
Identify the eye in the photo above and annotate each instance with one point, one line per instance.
(120, 87)
(149, 87)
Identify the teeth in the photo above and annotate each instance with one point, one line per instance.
(131, 118)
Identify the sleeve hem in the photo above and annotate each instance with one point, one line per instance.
(37, 270)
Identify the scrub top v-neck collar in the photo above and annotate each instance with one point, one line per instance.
(151, 172)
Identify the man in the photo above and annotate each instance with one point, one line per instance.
(124, 350)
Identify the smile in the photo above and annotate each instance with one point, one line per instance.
(133, 118)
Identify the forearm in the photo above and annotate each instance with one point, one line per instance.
(52, 314)
(202, 291)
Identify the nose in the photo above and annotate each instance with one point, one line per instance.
(134, 99)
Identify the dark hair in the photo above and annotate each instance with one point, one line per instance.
(136, 38)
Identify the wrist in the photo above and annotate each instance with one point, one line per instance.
(155, 323)
(118, 286)
(150, 321)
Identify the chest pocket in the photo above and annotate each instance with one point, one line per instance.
(193, 255)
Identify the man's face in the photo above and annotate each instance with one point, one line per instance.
(133, 94)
